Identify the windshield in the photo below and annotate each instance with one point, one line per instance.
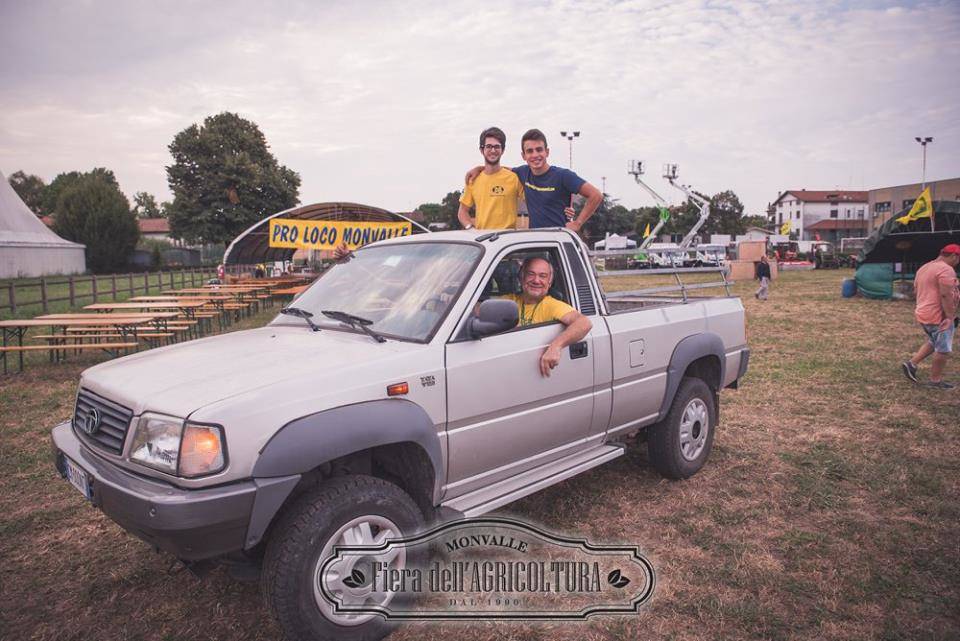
(405, 289)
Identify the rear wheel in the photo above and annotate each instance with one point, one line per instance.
(680, 444)
(347, 510)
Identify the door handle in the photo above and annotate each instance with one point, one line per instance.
(578, 350)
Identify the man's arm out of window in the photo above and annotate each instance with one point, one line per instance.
(577, 326)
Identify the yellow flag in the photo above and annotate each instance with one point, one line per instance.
(785, 228)
(646, 232)
(923, 208)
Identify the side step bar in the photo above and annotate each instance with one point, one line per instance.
(490, 498)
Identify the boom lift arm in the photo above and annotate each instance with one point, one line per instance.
(670, 173)
(636, 170)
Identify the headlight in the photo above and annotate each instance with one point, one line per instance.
(161, 441)
(156, 443)
(202, 450)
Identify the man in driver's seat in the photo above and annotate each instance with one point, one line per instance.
(537, 306)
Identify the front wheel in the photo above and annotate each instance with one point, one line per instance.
(680, 444)
(346, 510)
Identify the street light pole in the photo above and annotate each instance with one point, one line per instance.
(570, 136)
(923, 185)
(923, 143)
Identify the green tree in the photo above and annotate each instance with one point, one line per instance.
(431, 212)
(90, 209)
(224, 179)
(52, 193)
(726, 215)
(646, 216)
(449, 207)
(30, 188)
(145, 206)
(755, 221)
(156, 247)
(609, 218)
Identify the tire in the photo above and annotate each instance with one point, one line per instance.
(679, 445)
(303, 539)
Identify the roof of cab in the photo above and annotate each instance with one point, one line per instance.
(485, 236)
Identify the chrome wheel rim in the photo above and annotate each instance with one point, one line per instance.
(369, 530)
(694, 427)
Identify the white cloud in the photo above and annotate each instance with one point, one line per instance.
(381, 102)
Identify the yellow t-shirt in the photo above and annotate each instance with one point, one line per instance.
(495, 197)
(547, 310)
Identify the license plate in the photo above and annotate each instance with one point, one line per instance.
(78, 477)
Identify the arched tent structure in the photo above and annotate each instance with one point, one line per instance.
(895, 251)
(253, 245)
(27, 246)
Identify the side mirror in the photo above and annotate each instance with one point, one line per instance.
(494, 316)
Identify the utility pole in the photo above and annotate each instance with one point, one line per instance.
(923, 143)
(923, 185)
(603, 190)
(570, 136)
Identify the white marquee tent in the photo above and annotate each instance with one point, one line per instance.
(27, 246)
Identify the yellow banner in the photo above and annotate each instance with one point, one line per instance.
(646, 232)
(785, 228)
(327, 234)
(922, 208)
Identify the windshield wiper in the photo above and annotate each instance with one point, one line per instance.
(301, 313)
(354, 321)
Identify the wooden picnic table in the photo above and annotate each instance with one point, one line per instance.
(122, 315)
(241, 294)
(157, 319)
(290, 290)
(188, 308)
(215, 288)
(184, 305)
(125, 325)
(192, 297)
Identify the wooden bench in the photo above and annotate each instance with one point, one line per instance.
(58, 349)
(85, 336)
(34, 348)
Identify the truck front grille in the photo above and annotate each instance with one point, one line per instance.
(110, 430)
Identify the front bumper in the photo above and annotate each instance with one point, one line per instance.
(191, 524)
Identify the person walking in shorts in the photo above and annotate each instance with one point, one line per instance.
(935, 285)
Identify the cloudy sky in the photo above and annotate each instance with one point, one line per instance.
(381, 102)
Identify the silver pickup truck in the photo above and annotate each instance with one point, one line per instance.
(397, 390)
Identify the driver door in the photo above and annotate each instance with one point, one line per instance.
(503, 416)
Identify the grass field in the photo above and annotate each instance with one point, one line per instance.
(829, 509)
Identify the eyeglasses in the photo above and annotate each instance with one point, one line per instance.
(493, 147)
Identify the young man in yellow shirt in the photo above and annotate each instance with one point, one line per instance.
(495, 193)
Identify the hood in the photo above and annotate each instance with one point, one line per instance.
(182, 378)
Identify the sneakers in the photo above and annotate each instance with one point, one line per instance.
(910, 371)
(940, 385)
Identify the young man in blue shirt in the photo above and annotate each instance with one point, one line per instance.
(547, 190)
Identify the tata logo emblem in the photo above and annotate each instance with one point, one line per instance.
(91, 422)
(497, 189)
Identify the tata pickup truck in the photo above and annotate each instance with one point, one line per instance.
(397, 390)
